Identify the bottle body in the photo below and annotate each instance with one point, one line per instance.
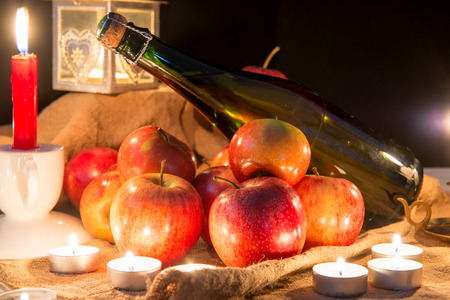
(340, 145)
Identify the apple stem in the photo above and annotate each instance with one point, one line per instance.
(314, 169)
(269, 57)
(163, 166)
(220, 179)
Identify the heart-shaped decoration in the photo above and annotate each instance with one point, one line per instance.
(80, 52)
(134, 73)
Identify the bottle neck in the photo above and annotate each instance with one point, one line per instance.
(162, 60)
(134, 44)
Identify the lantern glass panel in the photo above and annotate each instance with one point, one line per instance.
(80, 63)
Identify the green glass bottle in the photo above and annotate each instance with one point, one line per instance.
(341, 146)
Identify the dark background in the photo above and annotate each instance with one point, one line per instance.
(386, 62)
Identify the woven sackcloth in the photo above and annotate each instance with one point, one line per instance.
(79, 121)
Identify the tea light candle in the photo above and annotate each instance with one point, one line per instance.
(29, 294)
(74, 258)
(395, 273)
(390, 250)
(129, 272)
(339, 279)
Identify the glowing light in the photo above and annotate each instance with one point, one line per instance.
(73, 242)
(446, 123)
(24, 296)
(129, 258)
(22, 30)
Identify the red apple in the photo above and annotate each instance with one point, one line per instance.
(261, 219)
(264, 70)
(157, 218)
(96, 202)
(221, 158)
(269, 146)
(334, 209)
(208, 189)
(143, 150)
(82, 168)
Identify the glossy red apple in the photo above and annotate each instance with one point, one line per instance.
(221, 158)
(264, 70)
(208, 189)
(262, 219)
(271, 147)
(157, 218)
(334, 209)
(83, 167)
(96, 202)
(143, 150)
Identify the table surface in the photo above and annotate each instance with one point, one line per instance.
(442, 174)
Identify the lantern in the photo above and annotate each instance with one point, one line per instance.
(80, 63)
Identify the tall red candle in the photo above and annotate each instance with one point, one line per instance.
(24, 97)
(24, 89)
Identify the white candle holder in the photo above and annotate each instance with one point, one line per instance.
(30, 186)
(395, 273)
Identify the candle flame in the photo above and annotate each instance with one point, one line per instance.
(396, 242)
(73, 242)
(340, 265)
(130, 260)
(22, 30)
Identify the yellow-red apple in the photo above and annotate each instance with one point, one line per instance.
(155, 216)
(96, 202)
(269, 147)
(334, 209)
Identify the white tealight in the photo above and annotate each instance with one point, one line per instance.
(390, 250)
(74, 258)
(339, 279)
(395, 273)
(130, 272)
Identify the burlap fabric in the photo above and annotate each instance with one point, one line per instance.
(79, 121)
(82, 120)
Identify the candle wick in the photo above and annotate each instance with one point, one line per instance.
(340, 272)
(131, 268)
(73, 251)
